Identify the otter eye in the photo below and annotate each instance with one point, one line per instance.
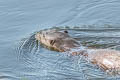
(65, 31)
(52, 42)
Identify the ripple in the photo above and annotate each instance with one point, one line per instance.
(94, 12)
(54, 65)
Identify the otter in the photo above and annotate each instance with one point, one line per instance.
(61, 41)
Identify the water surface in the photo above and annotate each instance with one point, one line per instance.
(95, 23)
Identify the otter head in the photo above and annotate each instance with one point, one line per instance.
(57, 40)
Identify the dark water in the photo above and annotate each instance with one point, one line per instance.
(95, 23)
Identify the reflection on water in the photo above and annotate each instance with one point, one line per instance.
(95, 23)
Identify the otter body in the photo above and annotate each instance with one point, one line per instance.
(105, 58)
(62, 42)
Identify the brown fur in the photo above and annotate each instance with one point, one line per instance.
(61, 41)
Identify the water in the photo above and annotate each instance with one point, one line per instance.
(95, 23)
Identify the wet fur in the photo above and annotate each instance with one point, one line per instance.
(61, 41)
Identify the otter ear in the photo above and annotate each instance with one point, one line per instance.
(65, 31)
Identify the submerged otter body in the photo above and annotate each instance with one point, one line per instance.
(61, 41)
